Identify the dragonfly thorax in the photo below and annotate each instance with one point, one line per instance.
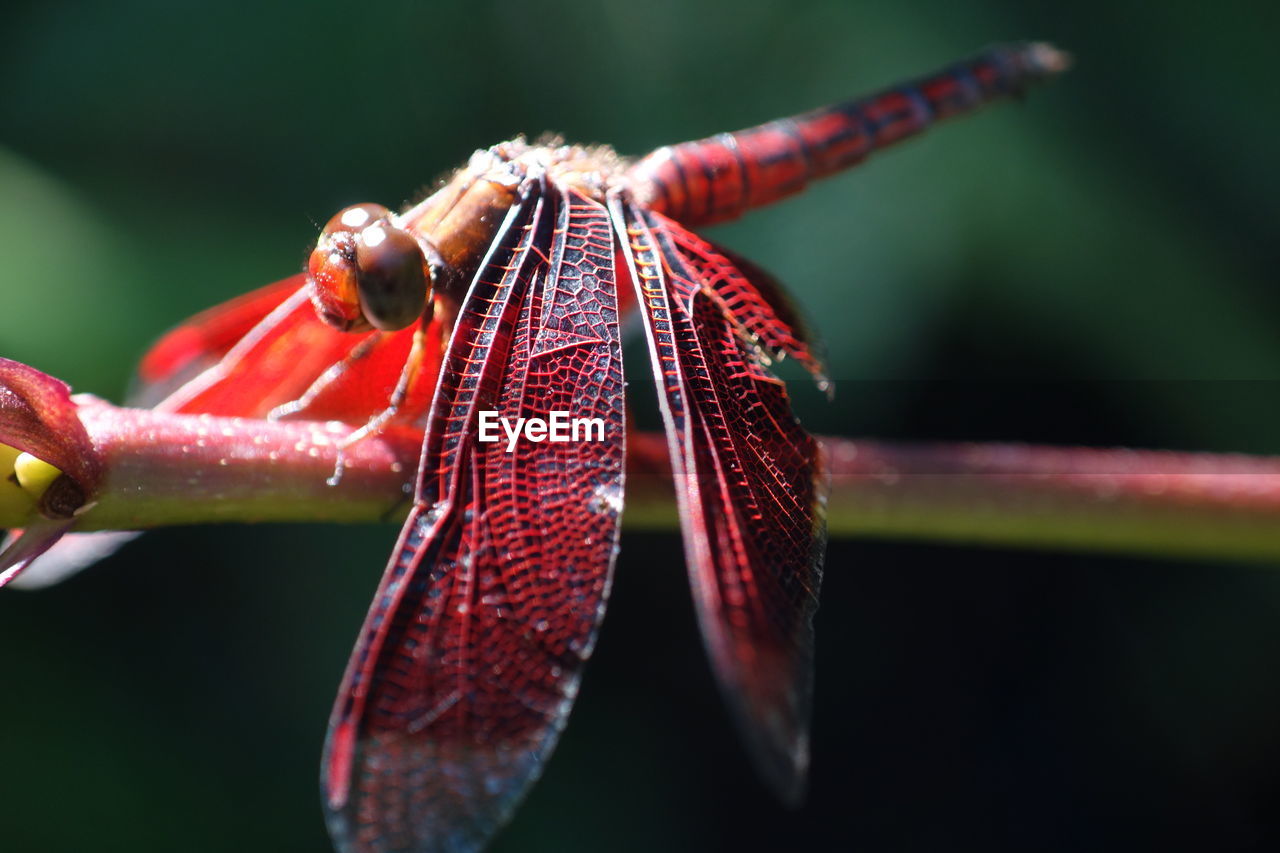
(375, 269)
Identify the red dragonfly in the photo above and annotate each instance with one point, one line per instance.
(502, 292)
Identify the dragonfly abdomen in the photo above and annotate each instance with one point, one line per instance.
(724, 176)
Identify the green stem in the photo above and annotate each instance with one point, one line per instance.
(1118, 501)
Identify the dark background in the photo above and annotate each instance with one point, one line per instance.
(1095, 267)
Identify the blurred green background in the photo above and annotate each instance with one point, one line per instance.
(1096, 266)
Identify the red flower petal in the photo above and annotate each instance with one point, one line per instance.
(38, 417)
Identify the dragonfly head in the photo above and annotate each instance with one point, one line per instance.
(366, 272)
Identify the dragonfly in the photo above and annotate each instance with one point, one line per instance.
(503, 293)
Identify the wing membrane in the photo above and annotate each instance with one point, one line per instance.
(269, 349)
(751, 487)
(752, 298)
(205, 338)
(466, 667)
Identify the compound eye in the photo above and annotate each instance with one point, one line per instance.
(331, 280)
(366, 273)
(355, 218)
(391, 277)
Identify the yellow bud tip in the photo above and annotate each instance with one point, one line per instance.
(16, 505)
(7, 456)
(34, 475)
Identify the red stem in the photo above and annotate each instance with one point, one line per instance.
(172, 469)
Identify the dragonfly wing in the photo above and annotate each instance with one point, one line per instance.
(68, 556)
(202, 340)
(245, 358)
(21, 547)
(206, 337)
(469, 660)
(751, 488)
(752, 298)
(268, 349)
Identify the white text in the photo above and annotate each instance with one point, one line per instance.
(559, 426)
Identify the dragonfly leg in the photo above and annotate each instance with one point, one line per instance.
(324, 380)
(394, 402)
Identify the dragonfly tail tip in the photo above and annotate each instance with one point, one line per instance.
(1047, 59)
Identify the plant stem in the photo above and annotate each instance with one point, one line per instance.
(1119, 501)
(165, 469)
(173, 469)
